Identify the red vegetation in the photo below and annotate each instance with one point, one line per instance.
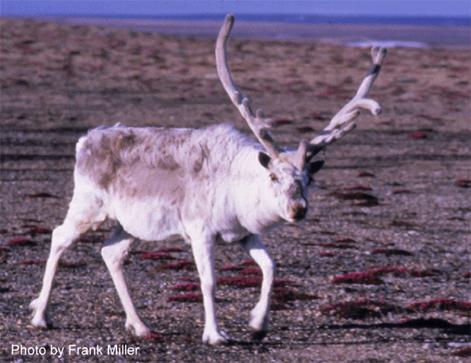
(281, 122)
(20, 241)
(401, 191)
(341, 243)
(360, 199)
(418, 135)
(187, 278)
(463, 352)
(34, 230)
(372, 276)
(369, 277)
(29, 262)
(402, 271)
(153, 336)
(391, 252)
(179, 265)
(171, 249)
(230, 268)
(365, 174)
(336, 245)
(248, 263)
(345, 240)
(358, 309)
(251, 271)
(440, 304)
(156, 255)
(240, 281)
(189, 297)
(186, 287)
(463, 183)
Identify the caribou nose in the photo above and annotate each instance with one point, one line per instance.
(298, 211)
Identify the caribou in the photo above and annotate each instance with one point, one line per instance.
(205, 185)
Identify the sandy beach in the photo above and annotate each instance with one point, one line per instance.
(392, 204)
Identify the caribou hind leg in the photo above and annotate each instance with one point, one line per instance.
(114, 252)
(85, 212)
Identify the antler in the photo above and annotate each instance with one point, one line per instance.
(257, 123)
(342, 122)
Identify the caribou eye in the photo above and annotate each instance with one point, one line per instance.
(273, 178)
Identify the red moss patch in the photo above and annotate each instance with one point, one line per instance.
(403, 271)
(401, 191)
(365, 174)
(187, 278)
(358, 309)
(171, 249)
(463, 183)
(248, 263)
(391, 252)
(418, 135)
(154, 337)
(282, 122)
(230, 268)
(327, 253)
(345, 240)
(240, 281)
(370, 278)
(20, 241)
(30, 262)
(340, 243)
(439, 304)
(251, 271)
(155, 255)
(462, 352)
(186, 287)
(179, 265)
(360, 199)
(34, 230)
(190, 297)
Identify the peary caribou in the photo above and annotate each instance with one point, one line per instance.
(204, 185)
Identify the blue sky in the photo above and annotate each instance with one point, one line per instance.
(185, 7)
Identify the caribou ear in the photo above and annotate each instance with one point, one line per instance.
(314, 167)
(264, 159)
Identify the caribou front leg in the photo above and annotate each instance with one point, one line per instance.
(203, 253)
(259, 314)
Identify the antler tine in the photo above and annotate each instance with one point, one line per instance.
(257, 123)
(342, 122)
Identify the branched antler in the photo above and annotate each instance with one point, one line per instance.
(342, 122)
(257, 123)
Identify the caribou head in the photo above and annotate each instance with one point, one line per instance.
(290, 172)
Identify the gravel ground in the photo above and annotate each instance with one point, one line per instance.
(392, 206)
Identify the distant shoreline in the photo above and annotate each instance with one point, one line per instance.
(400, 34)
(293, 19)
